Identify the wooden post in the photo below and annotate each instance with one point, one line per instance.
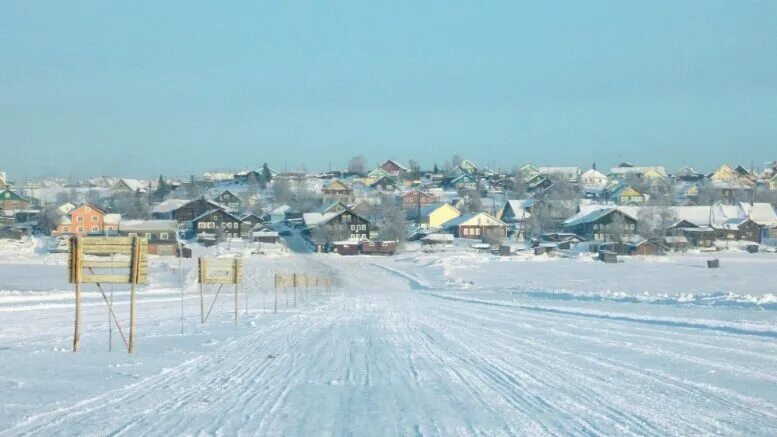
(294, 280)
(234, 276)
(134, 279)
(75, 274)
(275, 310)
(202, 297)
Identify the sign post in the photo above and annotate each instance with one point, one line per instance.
(135, 272)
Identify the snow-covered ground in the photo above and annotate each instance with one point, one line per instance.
(431, 344)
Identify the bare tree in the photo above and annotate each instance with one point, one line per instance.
(415, 170)
(281, 188)
(393, 221)
(652, 221)
(456, 160)
(472, 202)
(357, 164)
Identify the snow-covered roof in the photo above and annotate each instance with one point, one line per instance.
(591, 216)
(169, 205)
(313, 219)
(761, 213)
(148, 225)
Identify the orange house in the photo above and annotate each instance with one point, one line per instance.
(83, 220)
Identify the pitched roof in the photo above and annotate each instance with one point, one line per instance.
(215, 210)
(395, 163)
(592, 216)
(464, 218)
(169, 205)
(761, 213)
(148, 225)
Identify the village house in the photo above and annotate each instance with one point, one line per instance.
(193, 209)
(605, 224)
(165, 210)
(128, 186)
(266, 235)
(476, 226)
(337, 191)
(435, 216)
(468, 167)
(378, 173)
(463, 182)
(160, 234)
(593, 180)
(566, 174)
(217, 224)
(11, 202)
(384, 183)
(84, 220)
(627, 195)
(228, 200)
(417, 199)
(393, 168)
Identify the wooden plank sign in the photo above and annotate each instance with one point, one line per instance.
(89, 253)
(85, 253)
(220, 270)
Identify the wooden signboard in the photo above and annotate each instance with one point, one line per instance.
(218, 271)
(88, 266)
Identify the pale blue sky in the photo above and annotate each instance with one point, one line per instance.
(143, 87)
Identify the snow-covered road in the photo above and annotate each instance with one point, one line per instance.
(383, 355)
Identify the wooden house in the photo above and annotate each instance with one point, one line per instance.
(436, 215)
(516, 210)
(378, 173)
(384, 183)
(468, 167)
(694, 235)
(346, 223)
(627, 195)
(417, 199)
(337, 190)
(84, 220)
(463, 182)
(594, 180)
(217, 224)
(741, 228)
(393, 168)
(250, 222)
(476, 226)
(378, 247)
(193, 209)
(605, 224)
(160, 234)
(11, 202)
(336, 206)
(229, 200)
(267, 236)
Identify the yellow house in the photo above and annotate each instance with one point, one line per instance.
(433, 216)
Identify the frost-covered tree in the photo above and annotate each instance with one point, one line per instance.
(357, 164)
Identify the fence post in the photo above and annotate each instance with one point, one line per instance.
(75, 275)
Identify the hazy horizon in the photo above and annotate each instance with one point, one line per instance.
(143, 89)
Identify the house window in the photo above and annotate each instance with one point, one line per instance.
(466, 231)
(353, 227)
(148, 235)
(132, 234)
(94, 218)
(80, 218)
(477, 231)
(200, 225)
(163, 236)
(80, 229)
(65, 228)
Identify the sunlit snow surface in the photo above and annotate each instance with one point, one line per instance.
(452, 343)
